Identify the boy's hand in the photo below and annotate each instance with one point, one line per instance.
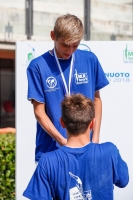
(63, 142)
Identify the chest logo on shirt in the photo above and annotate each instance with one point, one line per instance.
(81, 78)
(51, 82)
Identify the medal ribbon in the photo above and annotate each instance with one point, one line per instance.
(62, 75)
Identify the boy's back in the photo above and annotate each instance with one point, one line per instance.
(79, 173)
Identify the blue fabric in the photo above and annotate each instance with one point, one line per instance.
(45, 85)
(89, 172)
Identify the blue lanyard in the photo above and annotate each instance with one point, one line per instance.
(62, 75)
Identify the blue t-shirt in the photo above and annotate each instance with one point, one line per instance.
(45, 85)
(87, 173)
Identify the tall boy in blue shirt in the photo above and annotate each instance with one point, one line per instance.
(60, 71)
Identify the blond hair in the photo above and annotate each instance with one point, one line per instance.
(69, 27)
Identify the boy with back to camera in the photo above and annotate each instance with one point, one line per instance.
(60, 71)
(80, 169)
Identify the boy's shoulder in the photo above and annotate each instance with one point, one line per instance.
(109, 146)
(85, 53)
(40, 57)
(39, 61)
(49, 157)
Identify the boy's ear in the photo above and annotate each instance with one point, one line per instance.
(92, 124)
(62, 123)
(52, 35)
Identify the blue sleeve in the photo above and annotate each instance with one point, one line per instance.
(35, 88)
(101, 80)
(121, 175)
(39, 186)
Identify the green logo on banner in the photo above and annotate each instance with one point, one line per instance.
(31, 53)
(30, 56)
(128, 55)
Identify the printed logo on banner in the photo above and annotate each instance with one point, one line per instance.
(128, 55)
(80, 78)
(84, 47)
(118, 77)
(30, 54)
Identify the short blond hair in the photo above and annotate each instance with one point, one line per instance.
(69, 27)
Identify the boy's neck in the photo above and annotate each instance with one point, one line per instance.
(52, 53)
(78, 140)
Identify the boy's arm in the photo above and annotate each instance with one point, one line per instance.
(98, 116)
(38, 186)
(45, 122)
(121, 177)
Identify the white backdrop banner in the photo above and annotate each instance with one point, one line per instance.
(116, 59)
